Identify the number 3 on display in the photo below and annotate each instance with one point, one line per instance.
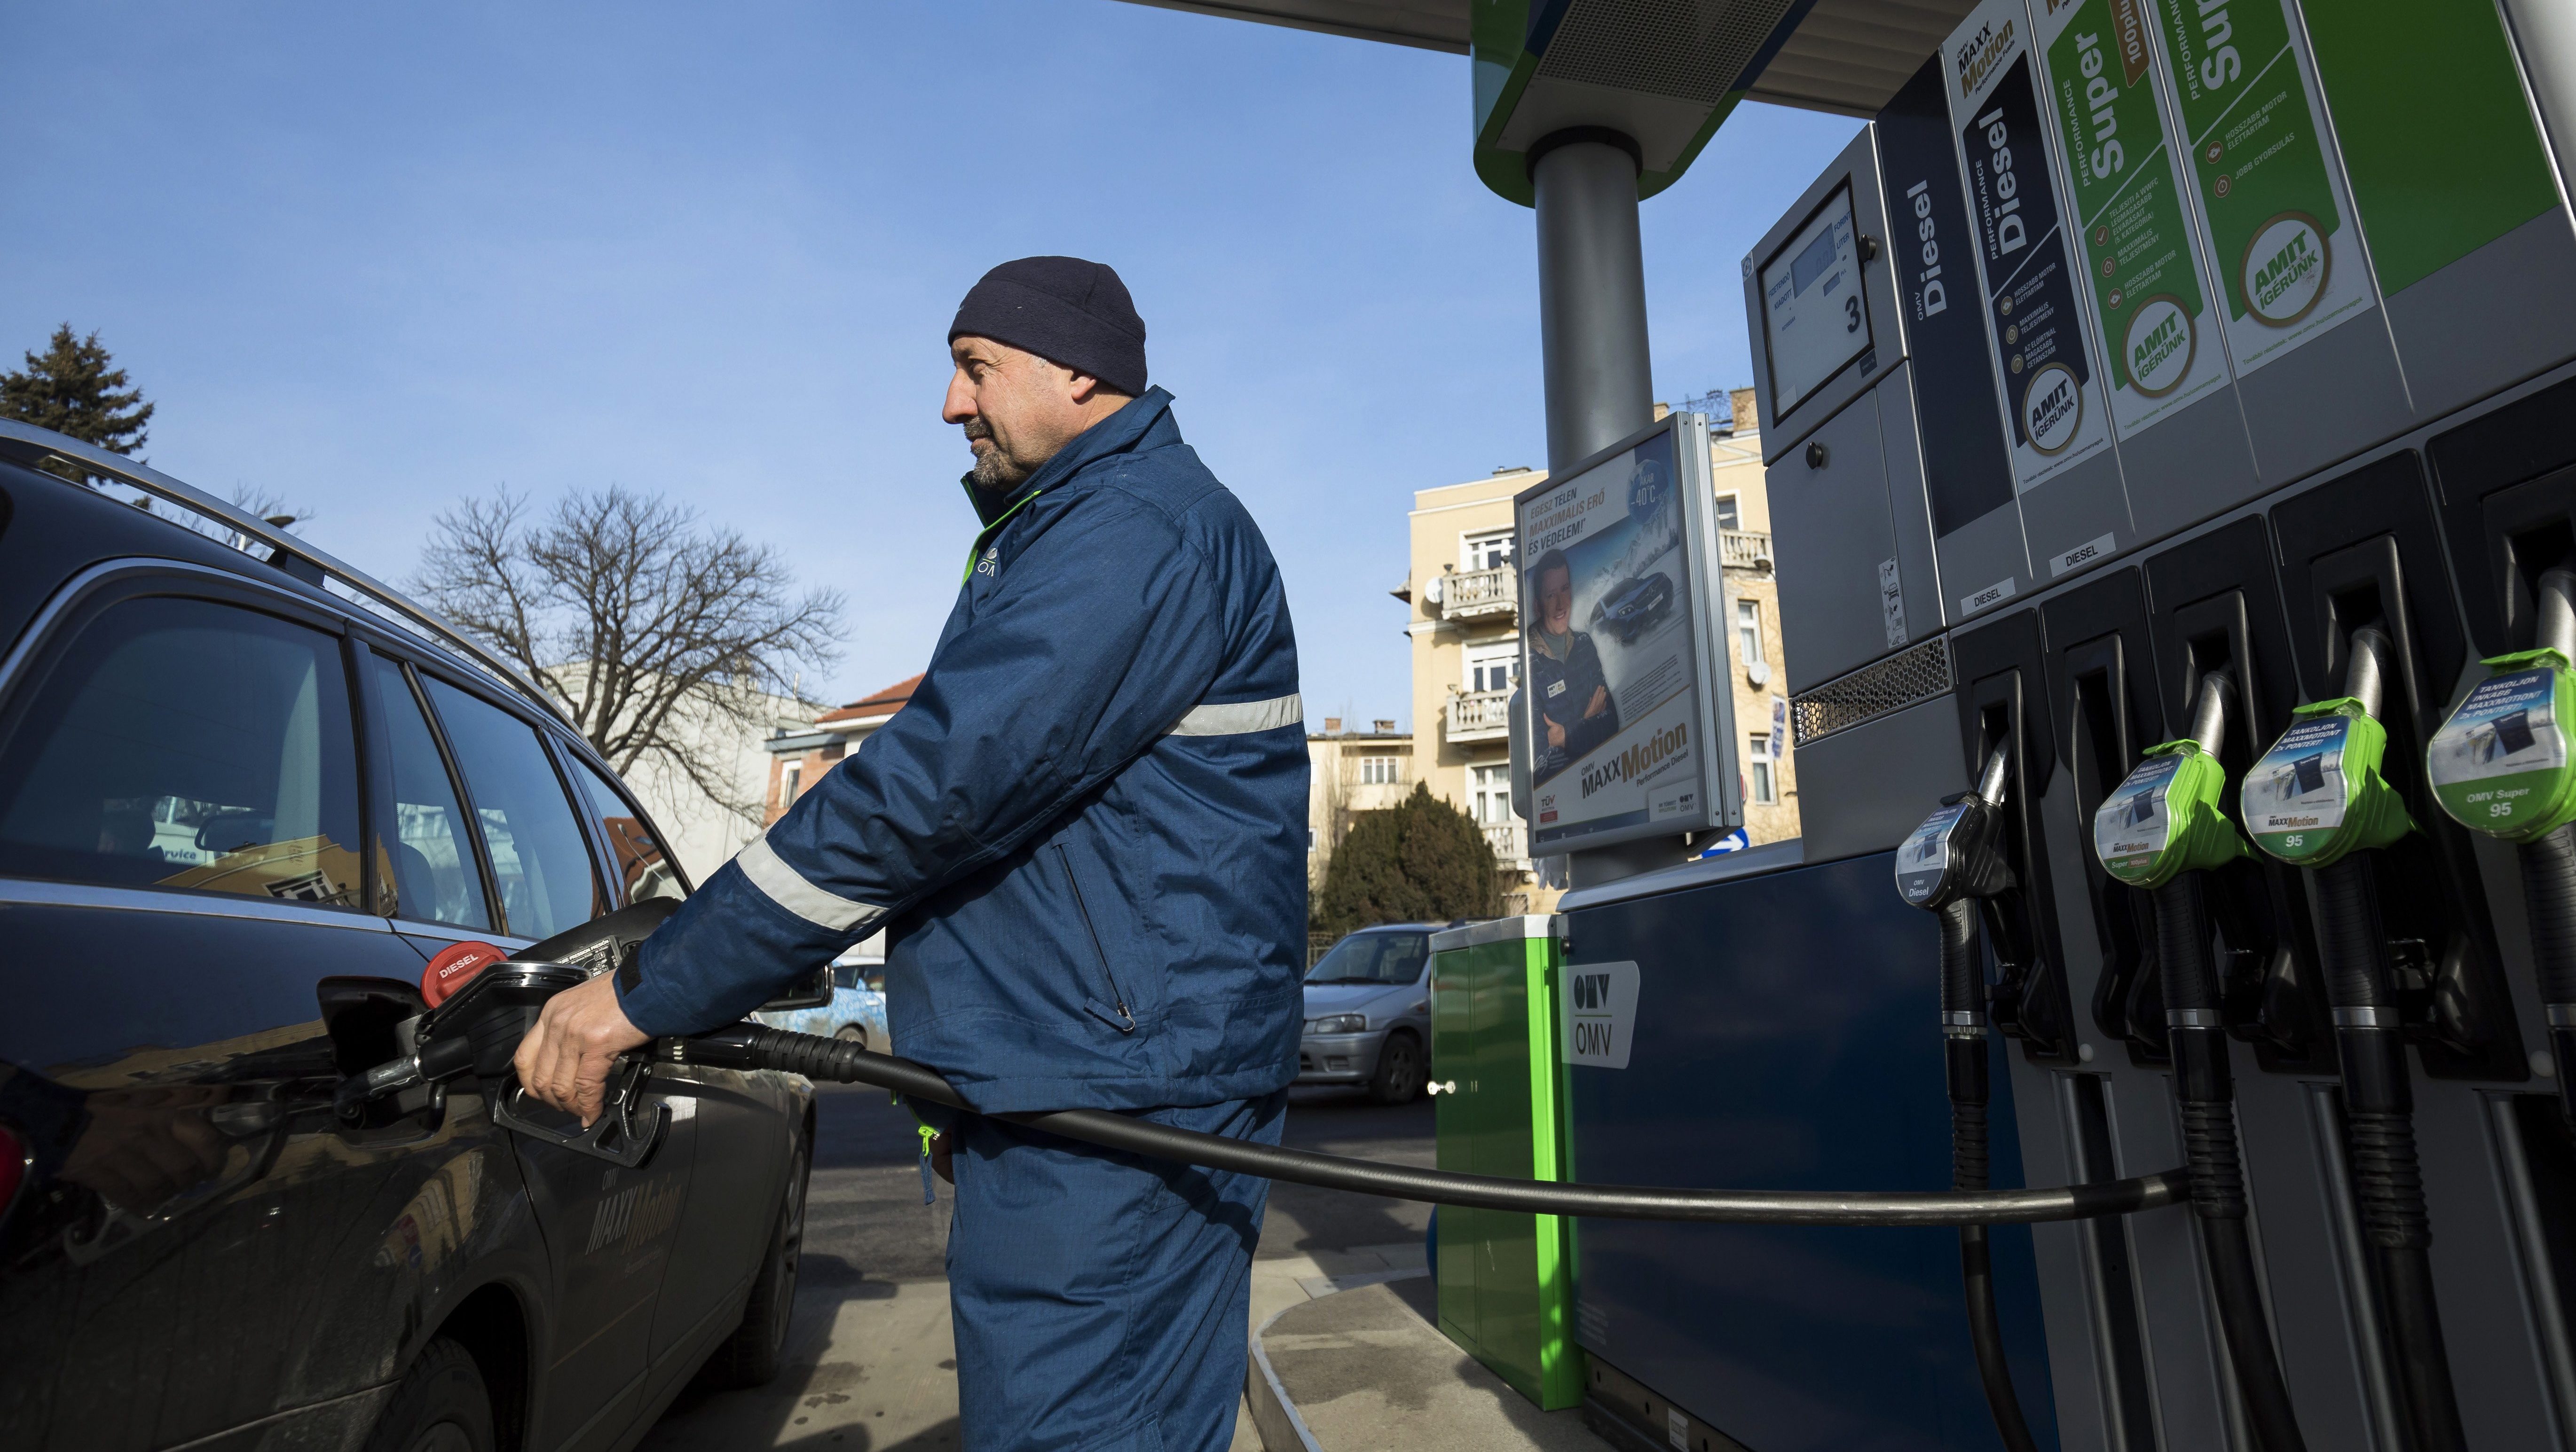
(1851, 310)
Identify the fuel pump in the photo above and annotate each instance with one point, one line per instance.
(1954, 865)
(2163, 830)
(2316, 800)
(2501, 765)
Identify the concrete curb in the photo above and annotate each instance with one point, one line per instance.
(1274, 1412)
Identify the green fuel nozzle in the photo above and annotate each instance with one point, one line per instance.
(2500, 765)
(2317, 796)
(2166, 818)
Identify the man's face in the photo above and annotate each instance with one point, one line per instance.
(1016, 408)
(1556, 600)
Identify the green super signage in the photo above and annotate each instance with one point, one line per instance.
(2276, 217)
(2165, 819)
(2142, 264)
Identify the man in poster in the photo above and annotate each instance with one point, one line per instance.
(1572, 696)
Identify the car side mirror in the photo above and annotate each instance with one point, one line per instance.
(814, 990)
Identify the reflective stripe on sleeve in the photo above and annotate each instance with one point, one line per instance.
(771, 874)
(1242, 716)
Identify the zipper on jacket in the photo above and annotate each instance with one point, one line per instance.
(1127, 1024)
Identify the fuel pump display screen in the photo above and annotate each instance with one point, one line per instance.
(1815, 322)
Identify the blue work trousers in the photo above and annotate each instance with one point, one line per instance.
(1101, 1298)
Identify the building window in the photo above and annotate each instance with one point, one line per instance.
(1489, 793)
(1728, 516)
(787, 778)
(1488, 551)
(1759, 759)
(1381, 770)
(1748, 630)
(1494, 666)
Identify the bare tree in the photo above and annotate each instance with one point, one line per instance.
(663, 637)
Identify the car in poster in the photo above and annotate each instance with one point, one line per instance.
(1635, 606)
(246, 794)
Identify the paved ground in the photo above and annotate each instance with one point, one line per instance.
(871, 1365)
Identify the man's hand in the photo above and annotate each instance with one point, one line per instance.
(1599, 703)
(564, 1060)
(1555, 733)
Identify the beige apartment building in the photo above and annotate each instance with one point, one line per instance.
(1463, 590)
(1351, 772)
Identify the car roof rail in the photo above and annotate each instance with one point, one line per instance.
(355, 584)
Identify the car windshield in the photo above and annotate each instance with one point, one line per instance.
(1373, 958)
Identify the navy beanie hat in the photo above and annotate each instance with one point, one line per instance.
(1073, 313)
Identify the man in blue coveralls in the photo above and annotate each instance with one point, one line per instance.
(1086, 838)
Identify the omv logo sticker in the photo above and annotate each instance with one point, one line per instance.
(1599, 1009)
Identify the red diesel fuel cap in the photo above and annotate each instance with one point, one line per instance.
(455, 964)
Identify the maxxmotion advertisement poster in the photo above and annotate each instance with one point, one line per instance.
(1621, 726)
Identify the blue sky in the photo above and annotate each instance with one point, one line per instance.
(377, 258)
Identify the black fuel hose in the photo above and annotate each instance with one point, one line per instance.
(838, 1061)
(2379, 1110)
(1963, 979)
(2207, 1097)
(2549, 898)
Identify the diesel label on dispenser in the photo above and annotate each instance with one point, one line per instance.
(2032, 311)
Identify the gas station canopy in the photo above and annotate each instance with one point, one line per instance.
(1664, 73)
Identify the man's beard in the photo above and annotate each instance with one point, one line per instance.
(994, 469)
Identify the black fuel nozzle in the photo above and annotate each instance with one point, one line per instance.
(1950, 865)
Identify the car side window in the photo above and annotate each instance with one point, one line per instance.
(642, 868)
(539, 859)
(193, 745)
(435, 876)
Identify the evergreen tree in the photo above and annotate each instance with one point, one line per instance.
(1421, 859)
(74, 388)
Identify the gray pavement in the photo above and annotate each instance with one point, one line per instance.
(871, 1364)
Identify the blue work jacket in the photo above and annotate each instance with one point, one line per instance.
(1086, 832)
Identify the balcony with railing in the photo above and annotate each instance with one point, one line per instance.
(1480, 716)
(1740, 550)
(1507, 841)
(1480, 594)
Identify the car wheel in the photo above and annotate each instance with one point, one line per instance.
(850, 1033)
(757, 1349)
(439, 1406)
(1400, 1071)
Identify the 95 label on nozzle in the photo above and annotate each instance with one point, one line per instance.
(1925, 856)
(2497, 760)
(2132, 826)
(2295, 796)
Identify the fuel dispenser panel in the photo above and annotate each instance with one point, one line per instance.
(2362, 550)
(1755, 1059)
(2450, 175)
(2508, 485)
(2003, 701)
(1820, 301)
(1835, 545)
(2218, 608)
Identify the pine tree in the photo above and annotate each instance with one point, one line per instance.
(74, 388)
(1420, 860)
